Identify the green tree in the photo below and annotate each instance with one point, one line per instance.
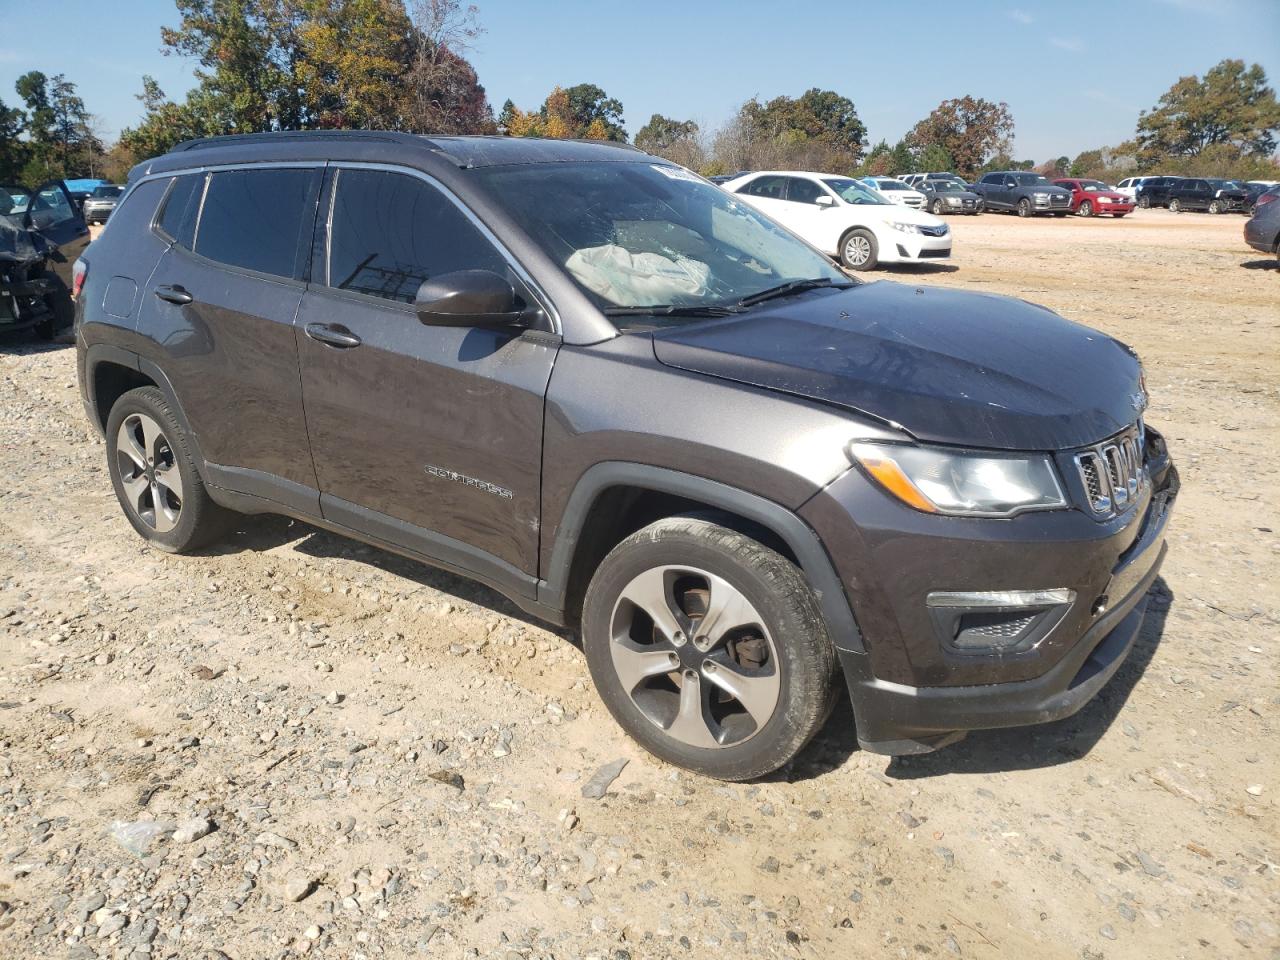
(879, 161)
(1232, 105)
(662, 133)
(821, 117)
(587, 103)
(901, 160)
(60, 141)
(1087, 163)
(14, 153)
(935, 158)
(971, 130)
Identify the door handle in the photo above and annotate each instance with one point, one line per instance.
(174, 294)
(335, 335)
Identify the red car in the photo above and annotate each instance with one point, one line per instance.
(1089, 197)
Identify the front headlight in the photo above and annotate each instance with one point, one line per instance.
(965, 484)
(905, 227)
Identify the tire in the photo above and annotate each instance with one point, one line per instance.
(1175, 205)
(1144, 203)
(936, 208)
(173, 511)
(1024, 208)
(774, 647)
(1085, 209)
(859, 250)
(1119, 216)
(1215, 206)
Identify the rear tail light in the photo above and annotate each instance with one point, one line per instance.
(79, 272)
(1267, 198)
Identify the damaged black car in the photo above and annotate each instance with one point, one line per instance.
(42, 232)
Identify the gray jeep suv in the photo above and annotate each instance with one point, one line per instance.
(640, 409)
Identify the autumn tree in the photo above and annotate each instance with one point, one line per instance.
(1231, 106)
(971, 130)
(879, 161)
(583, 111)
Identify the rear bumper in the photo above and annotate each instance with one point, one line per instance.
(896, 719)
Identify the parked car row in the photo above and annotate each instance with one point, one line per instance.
(1210, 194)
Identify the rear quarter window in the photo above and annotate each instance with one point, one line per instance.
(259, 220)
(177, 219)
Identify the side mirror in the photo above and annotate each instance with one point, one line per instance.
(469, 298)
(825, 201)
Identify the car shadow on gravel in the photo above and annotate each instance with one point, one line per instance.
(1272, 263)
(994, 751)
(907, 269)
(21, 342)
(263, 532)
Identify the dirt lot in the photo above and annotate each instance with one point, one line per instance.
(308, 701)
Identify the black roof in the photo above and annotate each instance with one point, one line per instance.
(480, 151)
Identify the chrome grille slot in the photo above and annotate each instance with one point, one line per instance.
(1113, 472)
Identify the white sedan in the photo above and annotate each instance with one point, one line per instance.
(897, 191)
(845, 218)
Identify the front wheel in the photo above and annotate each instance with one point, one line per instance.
(1215, 207)
(1086, 209)
(859, 250)
(1144, 203)
(155, 477)
(1175, 206)
(936, 208)
(1119, 216)
(708, 648)
(1024, 207)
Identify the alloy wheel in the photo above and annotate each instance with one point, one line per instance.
(149, 472)
(1086, 209)
(857, 250)
(694, 656)
(1175, 206)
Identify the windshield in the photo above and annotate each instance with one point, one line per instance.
(890, 185)
(854, 191)
(1030, 179)
(635, 235)
(107, 192)
(1094, 186)
(946, 186)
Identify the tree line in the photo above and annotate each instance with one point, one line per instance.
(402, 65)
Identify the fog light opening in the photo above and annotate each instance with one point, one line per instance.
(1099, 606)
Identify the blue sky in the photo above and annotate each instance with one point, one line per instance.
(1074, 75)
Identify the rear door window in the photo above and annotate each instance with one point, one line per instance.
(177, 220)
(259, 220)
(802, 191)
(772, 188)
(388, 232)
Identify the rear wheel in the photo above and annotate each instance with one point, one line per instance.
(1086, 209)
(1024, 207)
(859, 250)
(1175, 206)
(708, 648)
(155, 477)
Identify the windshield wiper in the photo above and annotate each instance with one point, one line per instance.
(790, 287)
(670, 310)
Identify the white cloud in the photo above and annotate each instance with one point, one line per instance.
(1070, 44)
(1021, 16)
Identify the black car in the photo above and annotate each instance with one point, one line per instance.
(1154, 191)
(948, 196)
(1213, 195)
(1022, 192)
(643, 410)
(42, 232)
(1254, 190)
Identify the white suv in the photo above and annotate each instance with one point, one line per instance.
(897, 191)
(845, 218)
(1129, 186)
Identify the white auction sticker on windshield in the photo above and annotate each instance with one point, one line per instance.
(676, 173)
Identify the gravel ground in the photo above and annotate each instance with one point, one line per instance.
(296, 744)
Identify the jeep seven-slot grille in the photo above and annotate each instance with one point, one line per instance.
(1113, 472)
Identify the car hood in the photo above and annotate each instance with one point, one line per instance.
(947, 366)
(896, 212)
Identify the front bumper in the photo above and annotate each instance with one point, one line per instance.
(909, 247)
(1102, 206)
(911, 693)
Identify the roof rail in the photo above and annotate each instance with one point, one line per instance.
(242, 139)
